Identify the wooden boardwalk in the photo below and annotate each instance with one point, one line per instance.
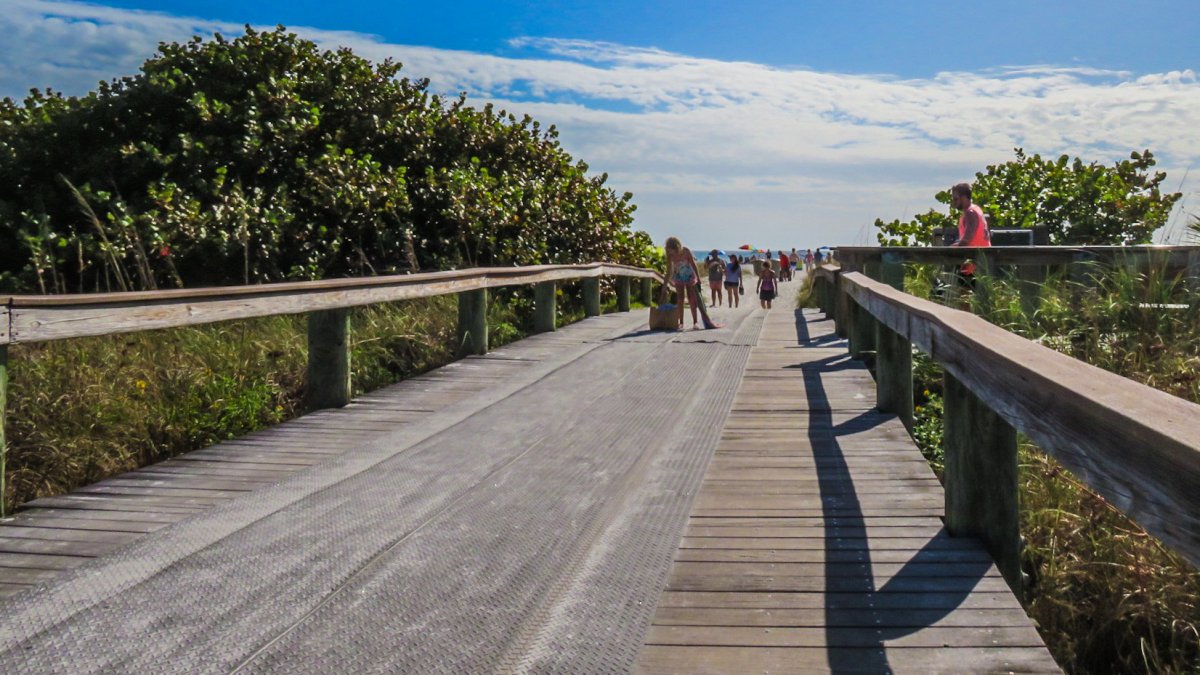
(551, 481)
(816, 543)
(53, 534)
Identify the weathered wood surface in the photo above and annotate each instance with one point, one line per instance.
(55, 533)
(54, 317)
(1135, 445)
(1172, 256)
(816, 542)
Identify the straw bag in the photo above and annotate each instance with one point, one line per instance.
(665, 317)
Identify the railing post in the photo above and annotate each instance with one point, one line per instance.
(841, 308)
(1029, 282)
(981, 478)
(622, 294)
(891, 270)
(328, 358)
(893, 374)
(647, 291)
(1192, 278)
(862, 332)
(545, 307)
(472, 322)
(3, 438)
(591, 296)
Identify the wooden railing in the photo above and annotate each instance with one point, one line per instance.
(39, 318)
(1136, 446)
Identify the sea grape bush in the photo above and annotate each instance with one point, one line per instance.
(264, 158)
(1079, 203)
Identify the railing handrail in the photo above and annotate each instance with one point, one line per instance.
(1173, 255)
(1136, 446)
(35, 318)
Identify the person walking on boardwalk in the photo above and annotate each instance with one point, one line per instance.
(682, 272)
(794, 259)
(972, 227)
(785, 267)
(733, 281)
(716, 273)
(766, 284)
(809, 262)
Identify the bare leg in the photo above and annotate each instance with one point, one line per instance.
(693, 300)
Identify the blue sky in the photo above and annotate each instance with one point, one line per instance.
(772, 123)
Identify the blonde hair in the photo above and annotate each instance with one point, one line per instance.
(673, 244)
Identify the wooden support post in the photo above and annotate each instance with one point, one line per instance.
(891, 270)
(328, 359)
(472, 322)
(985, 281)
(1030, 279)
(862, 333)
(545, 307)
(622, 294)
(648, 292)
(591, 296)
(3, 438)
(981, 478)
(841, 309)
(1192, 279)
(893, 374)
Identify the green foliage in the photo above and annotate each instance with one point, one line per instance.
(263, 158)
(1079, 203)
(82, 410)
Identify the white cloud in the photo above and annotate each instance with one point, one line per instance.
(713, 149)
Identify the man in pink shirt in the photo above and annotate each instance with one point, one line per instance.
(972, 225)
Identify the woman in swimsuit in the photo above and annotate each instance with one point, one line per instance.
(681, 270)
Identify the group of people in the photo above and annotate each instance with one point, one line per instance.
(725, 278)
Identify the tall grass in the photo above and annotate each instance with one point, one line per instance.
(82, 410)
(1106, 595)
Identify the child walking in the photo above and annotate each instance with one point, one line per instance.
(766, 284)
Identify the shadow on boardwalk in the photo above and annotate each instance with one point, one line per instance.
(846, 622)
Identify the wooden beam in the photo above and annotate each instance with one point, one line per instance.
(545, 307)
(54, 317)
(3, 436)
(591, 296)
(622, 294)
(1136, 446)
(328, 359)
(647, 292)
(1174, 256)
(893, 374)
(472, 323)
(981, 478)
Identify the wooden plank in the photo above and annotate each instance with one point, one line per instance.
(1091, 420)
(819, 601)
(81, 549)
(833, 636)
(55, 317)
(866, 617)
(709, 660)
(37, 561)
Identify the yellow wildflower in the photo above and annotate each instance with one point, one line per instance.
(141, 385)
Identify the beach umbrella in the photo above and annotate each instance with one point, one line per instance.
(745, 247)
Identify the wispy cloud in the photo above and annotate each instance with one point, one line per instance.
(712, 149)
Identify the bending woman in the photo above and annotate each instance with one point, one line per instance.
(681, 270)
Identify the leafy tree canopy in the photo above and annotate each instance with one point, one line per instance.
(1080, 204)
(264, 158)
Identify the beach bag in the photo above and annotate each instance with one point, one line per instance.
(665, 316)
